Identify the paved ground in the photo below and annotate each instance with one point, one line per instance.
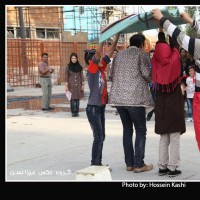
(52, 146)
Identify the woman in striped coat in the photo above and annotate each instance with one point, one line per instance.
(192, 45)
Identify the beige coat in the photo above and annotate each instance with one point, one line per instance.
(130, 77)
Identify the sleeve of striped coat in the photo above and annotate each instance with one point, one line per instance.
(192, 45)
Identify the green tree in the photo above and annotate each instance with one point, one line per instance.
(175, 14)
(171, 7)
(191, 11)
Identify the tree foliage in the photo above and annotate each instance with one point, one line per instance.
(171, 7)
(191, 11)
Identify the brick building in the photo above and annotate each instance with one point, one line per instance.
(44, 22)
(32, 30)
(43, 32)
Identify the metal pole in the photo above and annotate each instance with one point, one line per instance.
(23, 37)
(74, 20)
(21, 23)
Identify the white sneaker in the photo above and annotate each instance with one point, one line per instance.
(189, 119)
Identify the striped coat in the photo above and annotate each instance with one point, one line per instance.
(192, 45)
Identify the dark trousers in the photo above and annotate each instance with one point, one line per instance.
(133, 116)
(96, 118)
(74, 104)
(149, 115)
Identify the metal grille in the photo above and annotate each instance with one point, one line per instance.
(23, 57)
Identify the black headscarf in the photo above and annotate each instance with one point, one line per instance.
(75, 67)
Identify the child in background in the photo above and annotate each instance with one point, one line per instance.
(149, 115)
(190, 91)
(183, 89)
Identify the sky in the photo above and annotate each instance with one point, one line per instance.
(146, 8)
(130, 9)
(70, 23)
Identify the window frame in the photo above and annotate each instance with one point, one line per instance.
(16, 29)
(46, 32)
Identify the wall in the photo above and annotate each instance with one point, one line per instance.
(79, 37)
(36, 17)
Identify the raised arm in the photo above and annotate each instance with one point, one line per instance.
(99, 51)
(192, 45)
(113, 46)
(157, 14)
(195, 24)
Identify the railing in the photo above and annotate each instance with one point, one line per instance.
(23, 57)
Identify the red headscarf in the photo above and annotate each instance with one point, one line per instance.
(166, 67)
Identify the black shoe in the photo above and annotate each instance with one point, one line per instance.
(77, 115)
(162, 172)
(97, 164)
(45, 108)
(51, 108)
(174, 173)
(73, 115)
(148, 118)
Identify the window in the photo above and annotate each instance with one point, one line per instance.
(52, 34)
(14, 32)
(40, 33)
(18, 32)
(46, 33)
(10, 32)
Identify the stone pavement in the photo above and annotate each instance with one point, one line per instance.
(52, 146)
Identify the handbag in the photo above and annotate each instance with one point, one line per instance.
(68, 95)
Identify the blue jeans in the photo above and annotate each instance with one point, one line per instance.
(96, 118)
(133, 116)
(189, 100)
